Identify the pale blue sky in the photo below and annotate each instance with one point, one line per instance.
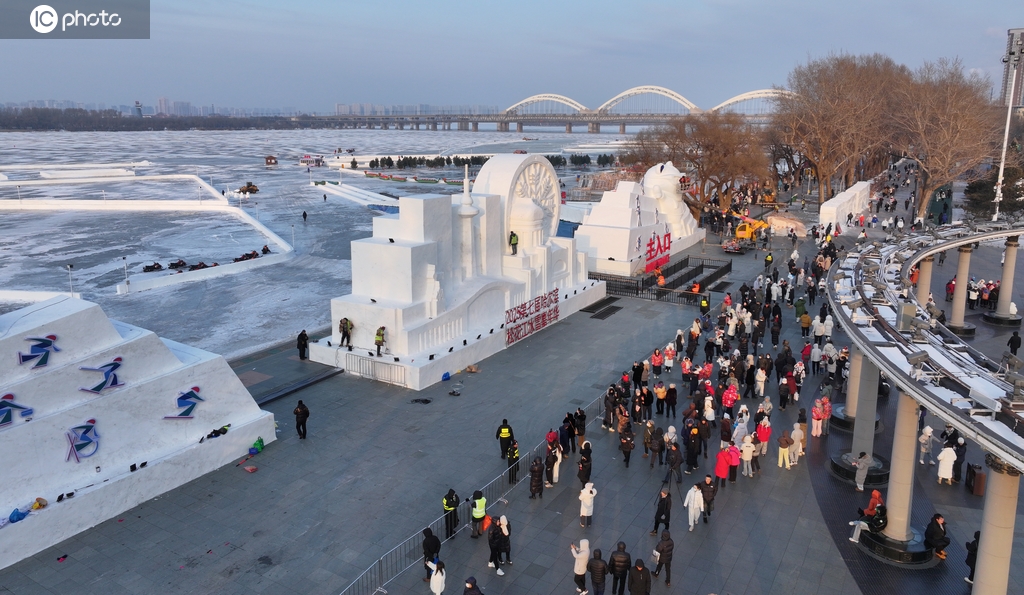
(315, 53)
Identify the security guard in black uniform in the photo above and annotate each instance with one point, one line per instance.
(513, 462)
(505, 437)
(451, 513)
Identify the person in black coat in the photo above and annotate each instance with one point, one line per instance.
(626, 444)
(451, 513)
(708, 489)
(301, 415)
(638, 372)
(586, 462)
(568, 439)
(663, 513)
(972, 556)
(1014, 344)
(935, 536)
(618, 564)
(536, 478)
(639, 579)
(598, 570)
(504, 435)
(664, 549)
(494, 543)
(471, 588)
(961, 455)
(549, 468)
(302, 343)
(431, 550)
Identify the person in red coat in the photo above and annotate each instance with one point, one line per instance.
(734, 461)
(722, 467)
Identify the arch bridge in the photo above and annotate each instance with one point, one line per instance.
(641, 105)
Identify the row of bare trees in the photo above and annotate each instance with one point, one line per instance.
(844, 117)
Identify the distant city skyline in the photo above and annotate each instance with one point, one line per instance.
(167, 107)
(253, 53)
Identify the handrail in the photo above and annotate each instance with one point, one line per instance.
(408, 553)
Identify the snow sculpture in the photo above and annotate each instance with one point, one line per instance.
(638, 226)
(65, 429)
(441, 278)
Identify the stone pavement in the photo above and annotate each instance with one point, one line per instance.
(376, 465)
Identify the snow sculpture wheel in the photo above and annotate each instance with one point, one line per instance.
(535, 180)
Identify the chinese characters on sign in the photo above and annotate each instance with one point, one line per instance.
(530, 317)
(659, 250)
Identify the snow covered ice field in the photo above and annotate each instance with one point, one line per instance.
(235, 314)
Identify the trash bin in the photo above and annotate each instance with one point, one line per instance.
(975, 480)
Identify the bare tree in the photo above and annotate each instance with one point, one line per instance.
(721, 150)
(946, 122)
(835, 114)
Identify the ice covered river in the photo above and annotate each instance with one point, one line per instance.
(235, 314)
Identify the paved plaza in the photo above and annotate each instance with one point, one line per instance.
(376, 466)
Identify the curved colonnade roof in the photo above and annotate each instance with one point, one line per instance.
(952, 380)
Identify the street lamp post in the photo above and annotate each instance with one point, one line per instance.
(127, 281)
(293, 236)
(1013, 59)
(257, 211)
(71, 282)
(19, 195)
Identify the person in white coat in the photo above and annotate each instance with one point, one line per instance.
(587, 504)
(794, 449)
(925, 441)
(829, 325)
(579, 565)
(946, 459)
(436, 576)
(694, 504)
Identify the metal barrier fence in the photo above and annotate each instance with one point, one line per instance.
(368, 367)
(409, 552)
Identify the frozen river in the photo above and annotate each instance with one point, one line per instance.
(236, 314)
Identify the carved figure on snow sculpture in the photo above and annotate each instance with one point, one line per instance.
(662, 183)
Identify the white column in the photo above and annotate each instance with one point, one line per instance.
(992, 572)
(864, 423)
(900, 495)
(924, 279)
(853, 383)
(963, 276)
(1006, 283)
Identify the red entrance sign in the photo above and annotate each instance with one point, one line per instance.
(659, 250)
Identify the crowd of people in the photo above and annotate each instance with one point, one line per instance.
(706, 401)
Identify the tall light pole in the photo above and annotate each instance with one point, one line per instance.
(19, 194)
(293, 236)
(71, 282)
(1013, 59)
